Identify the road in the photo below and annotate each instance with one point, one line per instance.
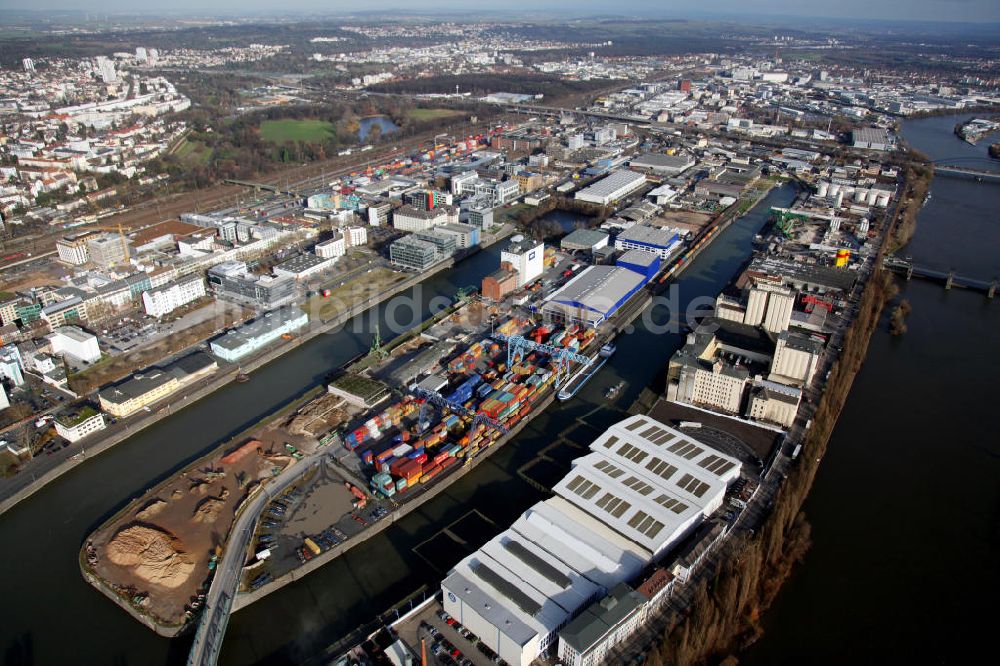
(225, 583)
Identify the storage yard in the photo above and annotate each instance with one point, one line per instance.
(157, 555)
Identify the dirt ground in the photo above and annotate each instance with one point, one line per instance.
(161, 545)
(326, 502)
(683, 219)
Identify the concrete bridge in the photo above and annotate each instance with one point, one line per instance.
(949, 279)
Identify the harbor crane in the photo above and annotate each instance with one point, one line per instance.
(438, 400)
(518, 346)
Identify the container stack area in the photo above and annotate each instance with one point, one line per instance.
(413, 441)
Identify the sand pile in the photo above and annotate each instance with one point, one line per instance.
(155, 556)
(208, 510)
(152, 509)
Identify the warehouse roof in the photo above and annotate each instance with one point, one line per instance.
(638, 257)
(632, 504)
(583, 239)
(647, 235)
(261, 326)
(660, 161)
(532, 564)
(582, 542)
(612, 183)
(598, 289)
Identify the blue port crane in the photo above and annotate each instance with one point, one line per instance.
(518, 346)
(435, 398)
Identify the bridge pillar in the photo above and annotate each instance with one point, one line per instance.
(950, 280)
(992, 291)
(909, 272)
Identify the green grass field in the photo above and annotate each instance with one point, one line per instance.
(193, 152)
(279, 131)
(433, 114)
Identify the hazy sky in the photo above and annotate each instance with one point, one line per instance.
(933, 10)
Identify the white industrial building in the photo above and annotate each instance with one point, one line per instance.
(524, 256)
(642, 489)
(796, 359)
(75, 342)
(617, 185)
(160, 301)
(661, 241)
(251, 337)
(77, 425)
(302, 266)
(593, 295)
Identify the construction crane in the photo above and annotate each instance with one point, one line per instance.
(518, 345)
(113, 227)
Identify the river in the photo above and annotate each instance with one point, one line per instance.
(53, 617)
(904, 511)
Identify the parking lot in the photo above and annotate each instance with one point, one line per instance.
(449, 643)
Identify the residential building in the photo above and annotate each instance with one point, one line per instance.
(355, 236)
(163, 300)
(11, 365)
(69, 311)
(76, 425)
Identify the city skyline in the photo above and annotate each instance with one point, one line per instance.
(918, 10)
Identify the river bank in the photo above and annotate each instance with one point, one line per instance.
(902, 509)
(220, 380)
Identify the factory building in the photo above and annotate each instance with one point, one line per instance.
(641, 489)
(593, 295)
(586, 240)
(524, 256)
(796, 359)
(872, 138)
(661, 164)
(251, 337)
(304, 265)
(76, 343)
(643, 262)
(617, 185)
(658, 240)
(772, 402)
(770, 307)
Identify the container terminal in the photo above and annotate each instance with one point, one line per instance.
(390, 429)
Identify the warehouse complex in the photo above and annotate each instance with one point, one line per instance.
(597, 292)
(557, 575)
(616, 186)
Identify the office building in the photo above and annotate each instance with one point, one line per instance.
(524, 256)
(413, 253)
(107, 250)
(465, 235)
(410, 218)
(163, 300)
(590, 637)
(378, 214)
(614, 187)
(249, 338)
(76, 343)
(68, 311)
(231, 279)
(73, 249)
(333, 248)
